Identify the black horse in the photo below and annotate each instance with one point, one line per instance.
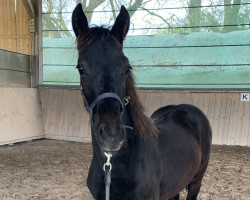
(161, 155)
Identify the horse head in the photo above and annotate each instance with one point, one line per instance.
(103, 70)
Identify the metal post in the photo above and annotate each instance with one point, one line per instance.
(40, 43)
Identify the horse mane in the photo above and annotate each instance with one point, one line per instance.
(143, 125)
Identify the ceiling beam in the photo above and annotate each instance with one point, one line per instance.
(29, 8)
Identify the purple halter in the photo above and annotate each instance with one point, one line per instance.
(91, 107)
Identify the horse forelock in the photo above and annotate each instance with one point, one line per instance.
(86, 38)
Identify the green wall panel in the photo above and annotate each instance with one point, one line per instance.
(210, 60)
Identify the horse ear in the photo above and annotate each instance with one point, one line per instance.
(121, 26)
(79, 20)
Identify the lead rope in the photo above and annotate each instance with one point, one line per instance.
(107, 167)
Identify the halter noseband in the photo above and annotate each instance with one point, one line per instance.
(102, 96)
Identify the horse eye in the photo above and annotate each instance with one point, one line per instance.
(80, 69)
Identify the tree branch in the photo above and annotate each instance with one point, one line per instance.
(151, 13)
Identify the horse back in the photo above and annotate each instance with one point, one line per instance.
(187, 117)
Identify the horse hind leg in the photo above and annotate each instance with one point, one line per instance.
(176, 197)
(193, 190)
(195, 185)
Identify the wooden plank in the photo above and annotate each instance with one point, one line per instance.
(22, 29)
(19, 17)
(7, 17)
(165, 99)
(187, 98)
(10, 45)
(231, 55)
(12, 26)
(12, 30)
(248, 141)
(53, 118)
(15, 37)
(77, 115)
(211, 110)
(194, 99)
(217, 122)
(166, 40)
(25, 20)
(152, 102)
(2, 44)
(60, 112)
(232, 129)
(245, 124)
(19, 25)
(239, 123)
(205, 105)
(44, 99)
(226, 118)
(67, 114)
(24, 46)
(200, 103)
(2, 19)
(20, 45)
(223, 118)
(48, 106)
(85, 128)
(73, 97)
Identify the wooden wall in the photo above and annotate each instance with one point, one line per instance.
(20, 115)
(65, 117)
(14, 27)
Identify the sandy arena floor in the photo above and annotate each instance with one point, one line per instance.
(57, 170)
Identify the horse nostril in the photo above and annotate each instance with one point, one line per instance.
(104, 132)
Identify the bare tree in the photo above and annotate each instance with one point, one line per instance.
(194, 15)
(58, 20)
(231, 14)
(53, 20)
(89, 9)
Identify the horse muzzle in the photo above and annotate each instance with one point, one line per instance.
(110, 138)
